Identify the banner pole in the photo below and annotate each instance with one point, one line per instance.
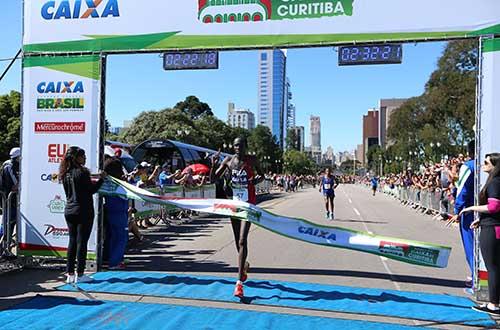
(102, 137)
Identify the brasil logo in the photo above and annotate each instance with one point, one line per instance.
(227, 11)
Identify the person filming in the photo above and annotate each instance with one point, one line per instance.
(79, 210)
(489, 237)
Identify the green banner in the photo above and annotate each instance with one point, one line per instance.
(413, 252)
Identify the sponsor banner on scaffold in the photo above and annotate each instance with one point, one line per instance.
(129, 25)
(60, 109)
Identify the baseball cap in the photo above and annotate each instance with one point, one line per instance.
(15, 152)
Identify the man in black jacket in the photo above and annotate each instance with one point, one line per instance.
(10, 183)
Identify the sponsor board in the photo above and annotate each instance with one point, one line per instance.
(60, 127)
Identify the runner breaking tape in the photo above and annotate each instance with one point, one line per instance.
(242, 168)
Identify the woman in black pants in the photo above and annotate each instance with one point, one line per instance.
(489, 238)
(79, 210)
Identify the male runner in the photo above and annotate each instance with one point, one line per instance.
(242, 168)
(328, 185)
(374, 182)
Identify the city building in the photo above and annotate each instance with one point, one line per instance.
(370, 131)
(329, 156)
(243, 118)
(315, 131)
(359, 154)
(273, 93)
(386, 108)
(300, 134)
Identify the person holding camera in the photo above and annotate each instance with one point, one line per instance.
(489, 237)
(79, 210)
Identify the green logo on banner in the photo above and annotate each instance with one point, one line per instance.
(226, 11)
(57, 205)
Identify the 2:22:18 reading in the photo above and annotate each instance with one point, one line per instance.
(371, 54)
(191, 60)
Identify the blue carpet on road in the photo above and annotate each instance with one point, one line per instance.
(412, 305)
(70, 313)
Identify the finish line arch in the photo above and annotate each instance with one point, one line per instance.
(65, 44)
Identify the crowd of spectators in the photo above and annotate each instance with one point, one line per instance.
(440, 179)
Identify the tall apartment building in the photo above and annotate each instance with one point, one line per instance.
(386, 108)
(370, 131)
(315, 131)
(273, 93)
(243, 118)
(300, 134)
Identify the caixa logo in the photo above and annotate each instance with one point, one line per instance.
(60, 87)
(79, 9)
(50, 178)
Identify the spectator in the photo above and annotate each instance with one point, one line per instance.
(9, 183)
(489, 238)
(79, 210)
(116, 210)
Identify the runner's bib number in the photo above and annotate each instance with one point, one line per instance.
(240, 194)
(327, 186)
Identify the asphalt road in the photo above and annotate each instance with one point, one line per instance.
(206, 246)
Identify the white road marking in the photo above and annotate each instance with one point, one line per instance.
(350, 200)
(383, 259)
(359, 215)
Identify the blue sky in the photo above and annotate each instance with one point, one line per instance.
(340, 95)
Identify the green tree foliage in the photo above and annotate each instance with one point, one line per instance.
(165, 124)
(292, 140)
(297, 162)
(194, 108)
(444, 113)
(264, 144)
(374, 156)
(10, 123)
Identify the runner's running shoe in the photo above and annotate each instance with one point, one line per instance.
(238, 290)
(70, 278)
(327, 215)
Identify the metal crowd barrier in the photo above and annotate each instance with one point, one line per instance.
(147, 210)
(428, 200)
(6, 237)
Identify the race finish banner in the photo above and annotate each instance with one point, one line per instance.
(60, 109)
(417, 253)
(490, 141)
(65, 26)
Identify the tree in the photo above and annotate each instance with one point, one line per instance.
(194, 108)
(444, 113)
(165, 124)
(264, 144)
(297, 162)
(10, 110)
(292, 140)
(213, 132)
(375, 157)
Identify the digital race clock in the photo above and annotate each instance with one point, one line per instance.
(371, 54)
(191, 60)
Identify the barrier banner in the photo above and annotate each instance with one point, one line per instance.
(413, 252)
(62, 26)
(60, 109)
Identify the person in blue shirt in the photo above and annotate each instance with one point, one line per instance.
(166, 176)
(374, 182)
(464, 199)
(328, 185)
